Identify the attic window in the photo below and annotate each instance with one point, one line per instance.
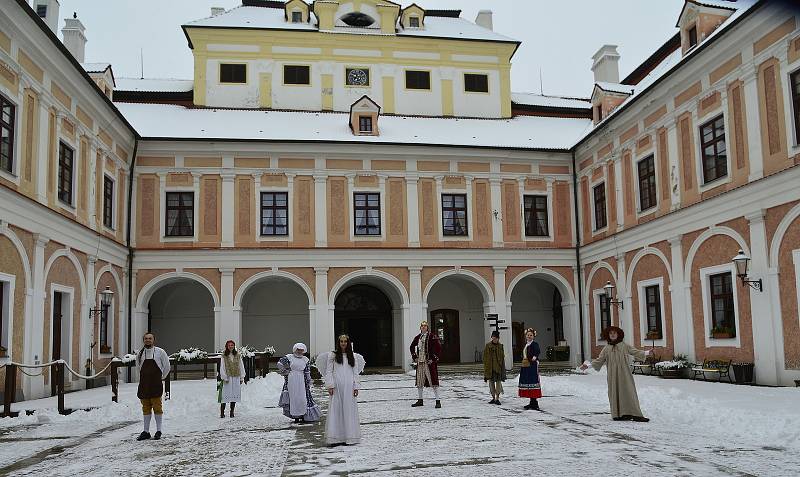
(413, 22)
(365, 124)
(297, 17)
(41, 10)
(358, 19)
(692, 33)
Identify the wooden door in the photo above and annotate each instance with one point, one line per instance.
(56, 351)
(445, 324)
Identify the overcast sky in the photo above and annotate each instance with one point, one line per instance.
(558, 36)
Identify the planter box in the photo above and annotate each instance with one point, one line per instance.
(743, 373)
(674, 373)
(722, 335)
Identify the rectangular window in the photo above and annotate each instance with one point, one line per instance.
(7, 114)
(232, 73)
(476, 83)
(652, 298)
(297, 17)
(365, 124)
(104, 347)
(715, 158)
(41, 10)
(536, 216)
(418, 79)
(605, 312)
(723, 317)
(274, 213)
(599, 110)
(108, 202)
(692, 37)
(180, 214)
(413, 22)
(647, 183)
(367, 213)
(3, 314)
(795, 82)
(296, 74)
(600, 220)
(454, 215)
(65, 166)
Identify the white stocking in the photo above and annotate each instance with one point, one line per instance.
(419, 390)
(147, 418)
(158, 422)
(436, 392)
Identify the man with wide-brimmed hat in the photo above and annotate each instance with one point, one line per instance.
(425, 350)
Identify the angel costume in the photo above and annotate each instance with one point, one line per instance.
(296, 399)
(342, 426)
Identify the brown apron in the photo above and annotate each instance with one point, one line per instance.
(149, 380)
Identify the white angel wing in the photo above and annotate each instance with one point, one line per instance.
(360, 363)
(321, 362)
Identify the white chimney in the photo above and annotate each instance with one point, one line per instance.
(484, 19)
(48, 12)
(606, 64)
(217, 11)
(74, 37)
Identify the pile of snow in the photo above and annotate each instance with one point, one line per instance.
(679, 364)
(188, 355)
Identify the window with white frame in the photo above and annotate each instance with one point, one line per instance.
(7, 117)
(6, 313)
(108, 202)
(366, 213)
(647, 183)
(454, 215)
(652, 307)
(66, 167)
(179, 214)
(535, 213)
(605, 311)
(723, 314)
(104, 330)
(713, 150)
(600, 217)
(794, 81)
(274, 213)
(297, 16)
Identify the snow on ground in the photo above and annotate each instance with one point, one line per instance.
(697, 428)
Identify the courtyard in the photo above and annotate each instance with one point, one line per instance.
(696, 428)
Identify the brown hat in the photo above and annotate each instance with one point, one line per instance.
(620, 334)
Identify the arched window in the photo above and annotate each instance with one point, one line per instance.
(358, 19)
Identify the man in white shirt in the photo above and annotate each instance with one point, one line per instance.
(153, 364)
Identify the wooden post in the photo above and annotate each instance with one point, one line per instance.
(60, 387)
(175, 370)
(114, 382)
(205, 369)
(10, 390)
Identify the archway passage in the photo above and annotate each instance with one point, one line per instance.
(364, 313)
(275, 312)
(536, 303)
(457, 314)
(181, 315)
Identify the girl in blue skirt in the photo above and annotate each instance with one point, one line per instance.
(529, 386)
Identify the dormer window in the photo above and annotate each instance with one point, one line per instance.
(358, 19)
(364, 115)
(413, 22)
(692, 33)
(297, 16)
(365, 124)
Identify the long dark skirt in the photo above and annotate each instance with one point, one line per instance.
(529, 386)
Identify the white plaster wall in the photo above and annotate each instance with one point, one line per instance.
(459, 294)
(275, 313)
(182, 315)
(232, 95)
(476, 104)
(424, 102)
(302, 97)
(532, 303)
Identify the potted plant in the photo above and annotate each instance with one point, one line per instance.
(190, 355)
(3, 352)
(720, 332)
(673, 368)
(743, 372)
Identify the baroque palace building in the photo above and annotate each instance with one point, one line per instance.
(360, 166)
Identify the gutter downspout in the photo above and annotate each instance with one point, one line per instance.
(130, 251)
(578, 251)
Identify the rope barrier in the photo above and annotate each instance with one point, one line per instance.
(81, 376)
(58, 361)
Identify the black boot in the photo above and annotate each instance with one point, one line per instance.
(438, 404)
(222, 410)
(233, 405)
(143, 436)
(418, 403)
(534, 405)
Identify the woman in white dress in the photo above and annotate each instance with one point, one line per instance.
(231, 372)
(296, 399)
(341, 379)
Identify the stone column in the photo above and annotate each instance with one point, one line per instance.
(43, 168)
(765, 325)
(503, 314)
(497, 211)
(229, 327)
(90, 334)
(322, 322)
(416, 312)
(753, 118)
(321, 211)
(412, 206)
(624, 311)
(33, 386)
(228, 208)
(682, 330)
(673, 161)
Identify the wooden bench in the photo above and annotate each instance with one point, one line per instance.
(713, 366)
(648, 365)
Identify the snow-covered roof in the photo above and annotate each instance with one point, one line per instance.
(533, 99)
(161, 121)
(673, 60)
(95, 67)
(614, 87)
(159, 85)
(275, 19)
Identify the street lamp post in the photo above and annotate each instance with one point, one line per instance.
(105, 302)
(609, 288)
